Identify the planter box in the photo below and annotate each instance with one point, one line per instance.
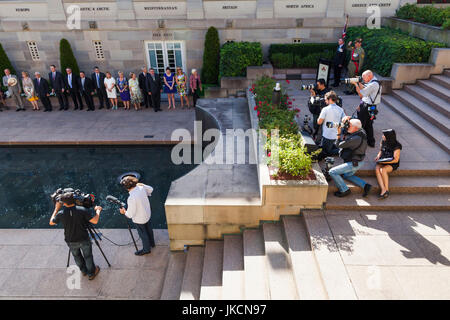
(215, 92)
(300, 194)
(256, 72)
(419, 30)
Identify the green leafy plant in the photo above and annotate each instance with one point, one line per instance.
(305, 55)
(235, 57)
(427, 14)
(67, 58)
(386, 46)
(211, 57)
(283, 60)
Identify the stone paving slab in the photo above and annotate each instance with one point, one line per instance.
(33, 266)
(98, 127)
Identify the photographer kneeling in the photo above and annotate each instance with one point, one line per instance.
(370, 94)
(353, 150)
(139, 211)
(329, 115)
(75, 220)
(317, 102)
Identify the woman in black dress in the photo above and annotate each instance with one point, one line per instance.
(390, 149)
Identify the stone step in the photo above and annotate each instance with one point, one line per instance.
(432, 132)
(211, 288)
(192, 278)
(279, 270)
(174, 276)
(395, 202)
(233, 268)
(304, 265)
(334, 275)
(425, 111)
(436, 102)
(442, 80)
(434, 88)
(256, 280)
(402, 184)
(447, 72)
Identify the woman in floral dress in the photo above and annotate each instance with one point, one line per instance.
(28, 89)
(135, 91)
(182, 87)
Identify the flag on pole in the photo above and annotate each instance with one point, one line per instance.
(344, 32)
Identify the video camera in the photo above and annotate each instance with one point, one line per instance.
(81, 198)
(353, 80)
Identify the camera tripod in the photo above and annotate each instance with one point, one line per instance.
(94, 235)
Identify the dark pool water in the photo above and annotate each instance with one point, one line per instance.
(29, 175)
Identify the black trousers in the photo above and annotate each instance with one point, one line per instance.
(147, 100)
(337, 75)
(89, 100)
(367, 124)
(156, 100)
(46, 103)
(62, 99)
(102, 97)
(195, 97)
(76, 98)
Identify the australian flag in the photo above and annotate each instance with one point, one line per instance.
(344, 32)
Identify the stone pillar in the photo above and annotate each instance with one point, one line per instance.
(336, 8)
(194, 9)
(125, 10)
(264, 9)
(403, 2)
(56, 10)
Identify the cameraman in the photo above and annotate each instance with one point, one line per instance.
(75, 220)
(330, 115)
(317, 102)
(353, 150)
(139, 211)
(370, 94)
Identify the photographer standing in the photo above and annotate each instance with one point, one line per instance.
(139, 211)
(75, 220)
(317, 102)
(330, 115)
(370, 94)
(353, 150)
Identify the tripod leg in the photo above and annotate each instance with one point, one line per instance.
(68, 259)
(98, 245)
(131, 233)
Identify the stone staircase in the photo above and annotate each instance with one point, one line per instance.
(426, 105)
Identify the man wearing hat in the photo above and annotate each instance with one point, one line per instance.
(10, 81)
(355, 64)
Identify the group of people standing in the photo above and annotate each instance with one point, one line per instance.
(143, 90)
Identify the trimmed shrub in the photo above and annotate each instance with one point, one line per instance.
(428, 14)
(312, 60)
(67, 58)
(235, 57)
(386, 46)
(305, 55)
(283, 60)
(5, 64)
(211, 57)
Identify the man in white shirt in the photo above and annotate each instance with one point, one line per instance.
(329, 115)
(139, 211)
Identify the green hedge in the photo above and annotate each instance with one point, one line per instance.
(386, 46)
(304, 55)
(430, 15)
(67, 58)
(211, 57)
(235, 57)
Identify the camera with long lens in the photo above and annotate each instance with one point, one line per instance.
(329, 162)
(307, 87)
(343, 125)
(353, 80)
(81, 198)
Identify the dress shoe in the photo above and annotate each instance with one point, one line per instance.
(17, 110)
(97, 270)
(76, 108)
(367, 188)
(62, 108)
(383, 196)
(101, 107)
(342, 194)
(141, 252)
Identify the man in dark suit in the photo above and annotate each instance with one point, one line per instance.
(57, 83)
(338, 62)
(98, 78)
(154, 89)
(71, 85)
(143, 86)
(87, 90)
(42, 91)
